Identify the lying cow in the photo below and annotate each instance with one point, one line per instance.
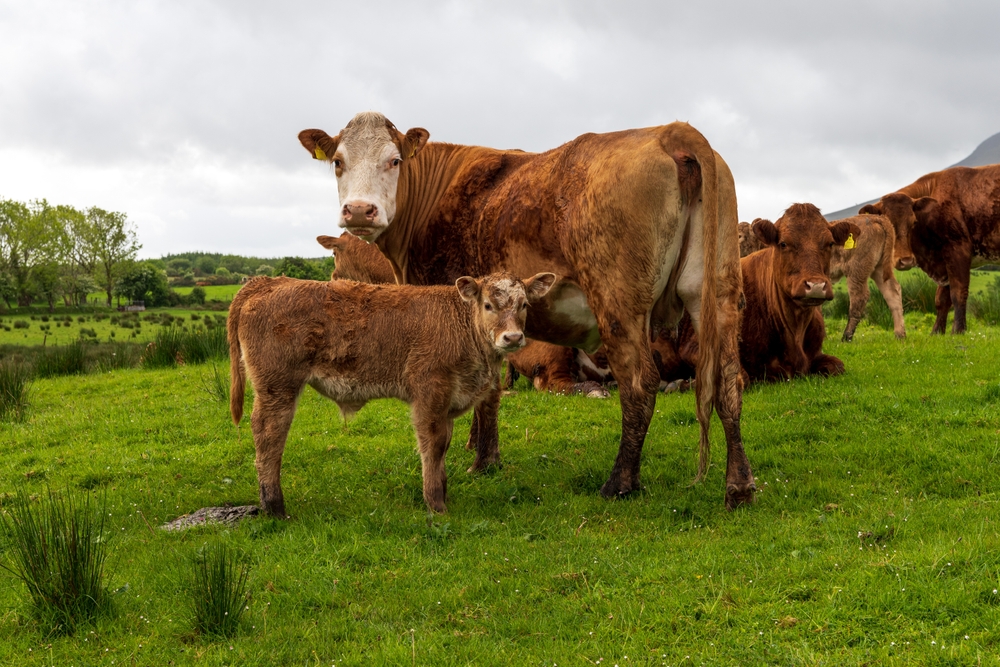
(945, 222)
(870, 257)
(639, 225)
(785, 284)
(437, 348)
(549, 367)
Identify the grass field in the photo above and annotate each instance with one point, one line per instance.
(874, 539)
(141, 327)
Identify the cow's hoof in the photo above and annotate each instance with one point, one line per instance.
(482, 467)
(617, 488)
(591, 390)
(274, 510)
(740, 494)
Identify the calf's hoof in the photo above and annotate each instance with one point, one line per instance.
(901, 336)
(484, 465)
(616, 487)
(740, 494)
(274, 509)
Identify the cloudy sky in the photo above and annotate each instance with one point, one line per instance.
(185, 114)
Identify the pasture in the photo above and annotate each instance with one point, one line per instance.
(874, 539)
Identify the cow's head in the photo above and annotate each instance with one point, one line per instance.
(803, 243)
(356, 260)
(367, 156)
(500, 302)
(749, 243)
(899, 209)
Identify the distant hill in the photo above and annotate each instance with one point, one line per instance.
(987, 152)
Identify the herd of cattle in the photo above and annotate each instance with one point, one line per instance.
(640, 273)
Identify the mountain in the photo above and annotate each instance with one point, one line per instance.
(987, 152)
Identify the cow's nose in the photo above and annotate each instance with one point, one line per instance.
(359, 214)
(512, 338)
(815, 290)
(905, 263)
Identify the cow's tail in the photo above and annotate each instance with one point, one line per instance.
(237, 379)
(710, 345)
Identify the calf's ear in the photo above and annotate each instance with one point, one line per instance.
(842, 230)
(765, 231)
(538, 285)
(328, 242)
(468, 288)
(871, 209)
(320, 144)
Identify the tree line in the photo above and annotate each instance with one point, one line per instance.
(50, 252)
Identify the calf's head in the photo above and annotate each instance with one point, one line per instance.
(749, 243)
(367, 157)
(899, 208)
(803, 243)
(357, 260)
(500, 303)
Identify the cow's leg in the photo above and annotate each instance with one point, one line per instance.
(893, 293)
(959, 292)
(433, 437)
(942, 304)
(819, 363)
(272, 417)
(857, 290)
(638, 381)
(486, 432)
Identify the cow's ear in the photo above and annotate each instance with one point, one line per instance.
(468, 287)
(328, 242)
(871, 209)
(765, 231)
(319, 144)
(843, 230)
(538, 286)
(411, 142)
(926, 208)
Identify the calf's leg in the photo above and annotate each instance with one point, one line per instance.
(893, 293)
(433, 438)
(270, 421)
(857, 290)
(484, 436)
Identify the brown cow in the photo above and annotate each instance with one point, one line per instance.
(437, 348)
(640, 225)
(945, 222)
(870, 257)
(785, 284)
(749, 243)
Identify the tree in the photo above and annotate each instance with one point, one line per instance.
(26, 242)
(296, 267)
(109, 238)
(143, 281)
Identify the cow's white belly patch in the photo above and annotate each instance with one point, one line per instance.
(572, 307)
(352, 391)
(585, 361)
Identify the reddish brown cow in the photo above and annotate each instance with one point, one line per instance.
(945, 222)
(785, 284)
(357, 260)
(640, 225)
(437, 348)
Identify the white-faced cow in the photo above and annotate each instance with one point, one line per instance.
(639, 225)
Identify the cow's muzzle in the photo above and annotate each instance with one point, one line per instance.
(906, 263)
(510, 341)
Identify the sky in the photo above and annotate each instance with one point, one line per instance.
(184, 114)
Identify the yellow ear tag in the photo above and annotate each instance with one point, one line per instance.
(849, 243)
(320, 154)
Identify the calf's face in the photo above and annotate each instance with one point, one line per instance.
(748, 242)
(367, 157)
(803, 243)
(500, 303)
(900, 211)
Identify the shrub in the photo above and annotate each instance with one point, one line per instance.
(21, 324)
(173, 345)
(15, 389)
(57, 548)
(985, 305)
(219, 590)
(61, 360)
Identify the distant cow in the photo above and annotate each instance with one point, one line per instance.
(785, 284)
(639, 225)
(945, 222)
(437, 348)
(749, 243)
(871, 257)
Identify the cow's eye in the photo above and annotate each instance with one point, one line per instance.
(337, 163)
(395, 162)
(782, 245)
(524, 305)
(489, 308)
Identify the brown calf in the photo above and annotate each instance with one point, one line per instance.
(749, 243)
(785, 284)
(946, 222)
(357, 260)
(437, 348)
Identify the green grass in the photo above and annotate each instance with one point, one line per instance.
(874, 539)
(217, 292)
(105, 326)
(219, 589)
(15, 390)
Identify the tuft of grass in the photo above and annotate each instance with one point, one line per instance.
(61, 360)
(877, 311)
(57, 548)
(216, 384)
(115, 356)
(219, 589)
(15, 389)
(172, 346)
(985, 305)
(918, 293)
